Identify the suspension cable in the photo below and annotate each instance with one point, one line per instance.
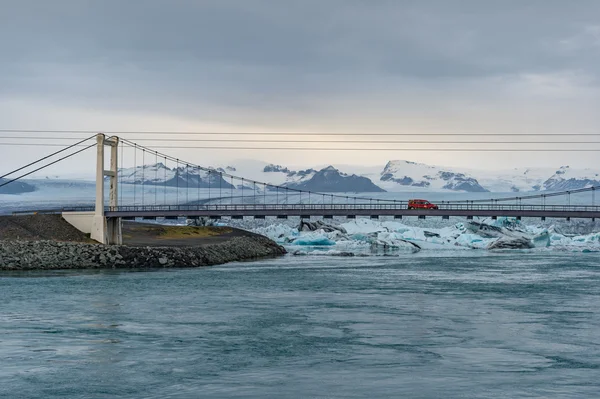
(49, 156)
(533, 196)
(45, 166)
(280, 133)
(299, 191)
(253, 181)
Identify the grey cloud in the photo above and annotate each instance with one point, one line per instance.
(306, 35)
(273, 53)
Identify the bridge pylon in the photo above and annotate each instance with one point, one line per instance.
(107, 230)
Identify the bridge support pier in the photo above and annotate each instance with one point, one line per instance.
(106, 230)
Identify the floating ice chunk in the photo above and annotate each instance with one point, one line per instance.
(511, 243)
(397, 227)
(278, 232)
(363, 226)
(593, 238)
(414, 234)
(366, 236)
(319, 225)
(313, 239)
(394, 241)
(472, 241)
(559, 240)
(362, 237)
(438, 240)
(505, 222)
(542, 239)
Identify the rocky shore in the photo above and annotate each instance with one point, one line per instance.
(47, 242)
(48, 255)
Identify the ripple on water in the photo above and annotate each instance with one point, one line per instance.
(422, 327)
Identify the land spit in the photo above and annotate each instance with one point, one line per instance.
(47, 242)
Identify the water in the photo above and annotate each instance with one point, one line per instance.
(424, 326)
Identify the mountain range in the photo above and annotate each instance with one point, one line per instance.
(182, 176)
(395, 176)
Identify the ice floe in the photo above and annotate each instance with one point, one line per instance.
(368, 237)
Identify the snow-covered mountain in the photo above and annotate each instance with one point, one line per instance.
(567, 178)
(331, 180)
(513, 180)
(159, 174)
(417, 175)
(395, 176)
(406, 175)
(538, 179)
(280, 175)
(328, 179)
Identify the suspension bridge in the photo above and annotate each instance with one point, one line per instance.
(144, 183)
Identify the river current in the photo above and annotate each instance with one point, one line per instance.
(468, 325)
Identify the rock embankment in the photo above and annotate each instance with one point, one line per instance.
(47, 242)
(49, 255)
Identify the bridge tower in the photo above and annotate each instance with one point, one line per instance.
(107, 230)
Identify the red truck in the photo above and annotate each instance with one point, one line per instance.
(421, 204)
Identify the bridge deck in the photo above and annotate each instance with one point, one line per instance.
(304, 210)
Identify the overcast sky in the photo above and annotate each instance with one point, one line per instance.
(337, 66)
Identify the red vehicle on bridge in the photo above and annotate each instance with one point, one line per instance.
(421, 204)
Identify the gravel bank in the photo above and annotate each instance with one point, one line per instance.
(39, 227)
(51, 255)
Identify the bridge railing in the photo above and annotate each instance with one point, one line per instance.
(519, 207)
(322, 208)
(349, 207)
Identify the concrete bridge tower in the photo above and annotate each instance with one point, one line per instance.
(106, 230)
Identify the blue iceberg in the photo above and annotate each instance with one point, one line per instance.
(313, 240)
